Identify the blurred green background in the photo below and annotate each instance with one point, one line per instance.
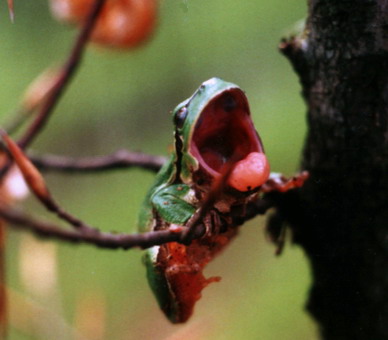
(122, 100)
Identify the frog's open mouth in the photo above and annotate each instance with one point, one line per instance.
(224, 132)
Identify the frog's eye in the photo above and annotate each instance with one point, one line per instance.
(229, 103)
(180, 117)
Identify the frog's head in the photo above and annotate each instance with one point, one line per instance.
(213, 127)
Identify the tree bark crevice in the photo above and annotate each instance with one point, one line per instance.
(340, 217)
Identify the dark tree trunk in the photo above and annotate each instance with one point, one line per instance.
(340, 217)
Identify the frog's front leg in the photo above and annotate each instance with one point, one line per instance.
(174, 203)
(214, 223)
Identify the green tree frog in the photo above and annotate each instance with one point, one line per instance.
(212, 127)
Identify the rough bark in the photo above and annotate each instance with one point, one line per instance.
(340, 217)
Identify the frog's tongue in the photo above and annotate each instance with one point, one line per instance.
(225, 132)
(249, 173)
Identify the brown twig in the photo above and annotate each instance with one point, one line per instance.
(94, 236)
(75, 222)
(107, 240)
(254, 208)
(117, 160)
(68, 71)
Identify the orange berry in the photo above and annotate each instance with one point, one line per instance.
(122, 23)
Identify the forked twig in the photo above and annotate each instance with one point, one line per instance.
(117, 160)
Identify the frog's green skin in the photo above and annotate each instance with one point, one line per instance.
(172, 199)
(187, 162)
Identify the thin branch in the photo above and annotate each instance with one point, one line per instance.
(95, 237)
(107, 240)
(68, 71)
(254, 208)
(120, 159)
(75, 222)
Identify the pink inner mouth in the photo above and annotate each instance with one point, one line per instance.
(225, 132)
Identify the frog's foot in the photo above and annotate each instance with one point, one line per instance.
(214, 224)
(278, 182)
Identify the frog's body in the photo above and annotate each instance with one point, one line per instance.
(212, 128)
